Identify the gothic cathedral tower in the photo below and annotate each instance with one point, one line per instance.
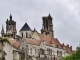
(47, 26)
(11, 27)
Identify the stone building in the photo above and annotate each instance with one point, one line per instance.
(43, 45)
(32, 45)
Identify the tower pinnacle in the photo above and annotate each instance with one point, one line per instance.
(2, 31)
(10, 17)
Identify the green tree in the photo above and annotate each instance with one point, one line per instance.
(74, 56)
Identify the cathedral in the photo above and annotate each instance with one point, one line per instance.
(30, 44)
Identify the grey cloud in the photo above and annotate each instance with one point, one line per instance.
(65, 21)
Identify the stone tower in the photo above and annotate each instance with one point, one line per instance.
(47, 26)
(11, 28)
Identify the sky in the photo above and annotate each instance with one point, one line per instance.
(65, 14)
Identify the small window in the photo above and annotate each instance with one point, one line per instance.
(30, 50)
(41, 51)
(49, 51)
(22, 47)
(35, 51)
(22, 34)
(27, 46)
(46, 33)
(26, 35)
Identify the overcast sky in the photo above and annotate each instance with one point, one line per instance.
(65, 13)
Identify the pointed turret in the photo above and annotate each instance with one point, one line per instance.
(10, 17)
(34, 29)
(2, 31)
(49, 16)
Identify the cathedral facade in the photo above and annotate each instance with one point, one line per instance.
(32, 45)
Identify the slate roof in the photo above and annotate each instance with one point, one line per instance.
(25, 27)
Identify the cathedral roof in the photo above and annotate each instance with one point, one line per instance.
(25, 27)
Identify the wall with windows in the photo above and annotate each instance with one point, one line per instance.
(25, 34)
(29, 34)
(43, 49)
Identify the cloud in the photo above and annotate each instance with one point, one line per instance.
(65, 15)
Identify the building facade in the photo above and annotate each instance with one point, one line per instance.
(32, 45)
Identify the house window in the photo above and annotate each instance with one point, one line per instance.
(22, 34)
(30, 50)
(59, 53)
(35, 51)
(49, 51)
(26, 46)
(27, 50)
(26, 35)
(41, 51)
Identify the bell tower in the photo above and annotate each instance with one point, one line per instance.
(47, 26)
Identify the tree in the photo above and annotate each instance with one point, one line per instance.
(74, 56)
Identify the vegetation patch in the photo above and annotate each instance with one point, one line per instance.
(2, 40)
(74, 56)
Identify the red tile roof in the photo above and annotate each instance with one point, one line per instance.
(67, 48)
(32, 41)
(12, 42)
(49, 40)
(15, 44)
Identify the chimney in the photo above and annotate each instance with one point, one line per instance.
(67, 45)
(71, 47)
(63, 44)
